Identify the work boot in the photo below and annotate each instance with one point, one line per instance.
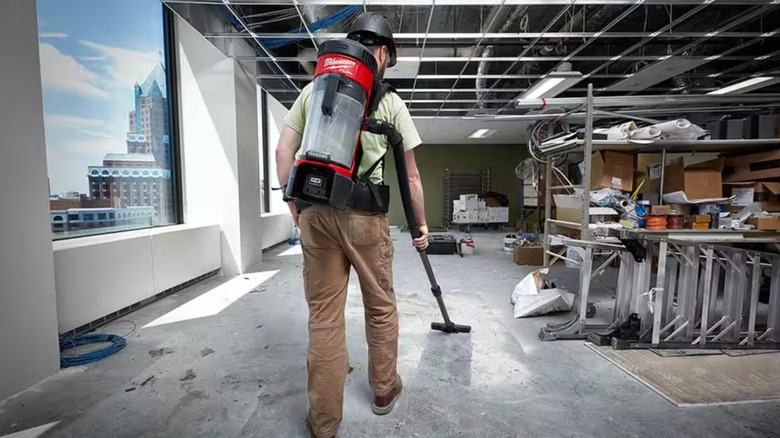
(383, 405)
(310, 431)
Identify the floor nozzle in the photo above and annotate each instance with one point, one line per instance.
(450, 328)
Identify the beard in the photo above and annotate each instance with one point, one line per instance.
(381, 73)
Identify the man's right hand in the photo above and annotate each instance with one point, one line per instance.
(293, 212)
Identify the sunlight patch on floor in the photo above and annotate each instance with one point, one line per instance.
(215, 300)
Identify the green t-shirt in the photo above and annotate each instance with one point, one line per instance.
(391, 109)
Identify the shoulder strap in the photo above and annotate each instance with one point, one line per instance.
(380, 89)
(367, 174)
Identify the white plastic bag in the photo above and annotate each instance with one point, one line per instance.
(575, 255)
(530, 299)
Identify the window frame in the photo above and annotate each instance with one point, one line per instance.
(266, 151)
(172, 84)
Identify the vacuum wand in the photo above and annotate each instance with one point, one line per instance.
(396, 141)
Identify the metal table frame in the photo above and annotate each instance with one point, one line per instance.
(639, 276)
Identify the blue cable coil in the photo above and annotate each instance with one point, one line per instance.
(116, 344)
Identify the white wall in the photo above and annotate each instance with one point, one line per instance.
(28, 316)
(277, 224)
(276, 112)
(249, 163)
(219, 148)
(99, 275)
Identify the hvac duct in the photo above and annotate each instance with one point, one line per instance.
(680, 81)
(494, 19)
(313, 14)
(594, 19)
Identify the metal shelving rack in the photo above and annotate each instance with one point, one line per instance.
(634, 284)
(456, 184)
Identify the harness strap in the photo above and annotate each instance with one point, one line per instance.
(379, 91)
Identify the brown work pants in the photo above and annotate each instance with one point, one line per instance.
(333, 241)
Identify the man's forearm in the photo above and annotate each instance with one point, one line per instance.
(418, 200)
(284, 163)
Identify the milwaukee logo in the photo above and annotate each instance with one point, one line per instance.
(337, 62)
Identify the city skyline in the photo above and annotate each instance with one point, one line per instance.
(92, 54)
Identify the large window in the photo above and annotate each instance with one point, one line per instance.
(271, 114)
(107, 103)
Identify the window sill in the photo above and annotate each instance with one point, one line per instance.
(86, 241)
(277, 214)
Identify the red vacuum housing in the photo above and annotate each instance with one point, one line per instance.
(326, 168)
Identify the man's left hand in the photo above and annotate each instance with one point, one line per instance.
(421, 243)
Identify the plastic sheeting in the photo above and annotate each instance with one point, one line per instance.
(529, 299)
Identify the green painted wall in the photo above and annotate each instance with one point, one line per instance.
(433, 159)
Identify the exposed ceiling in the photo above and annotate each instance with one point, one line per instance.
(464, 58)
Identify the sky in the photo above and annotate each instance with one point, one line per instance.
(92, 53)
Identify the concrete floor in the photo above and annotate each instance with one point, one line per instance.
(499, 381)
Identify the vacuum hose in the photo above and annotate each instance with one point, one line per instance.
(396, 141)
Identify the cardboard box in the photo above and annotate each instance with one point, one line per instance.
(749, 192)
(761, 126)
(698, 181)
(457, 205)
(660, 210)
(465, 217)
(529, 255)
(481, 204)
(612, 170)
(482, 215)
(530, 195)
(681, 209)
(770, 223)
(498, 215)
(771, 207)
(648, 169)
(569, 208)
(753, 167)
(470, 202)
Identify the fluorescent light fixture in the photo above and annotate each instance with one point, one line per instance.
(482, 133)
(553, 84)
(747, 85)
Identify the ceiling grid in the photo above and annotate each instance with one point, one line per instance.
(622, 47)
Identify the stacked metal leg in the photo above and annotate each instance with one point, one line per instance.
(577, 327)
(691, 307)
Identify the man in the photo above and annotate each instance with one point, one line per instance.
(334, 240)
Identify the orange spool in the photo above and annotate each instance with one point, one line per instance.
(656, 222)
(675, 222)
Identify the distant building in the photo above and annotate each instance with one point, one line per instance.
(67, 219)
(142, 176)
(128, 190)
(66, 204)
(133, 180)
(70, 195)
(148, 122)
